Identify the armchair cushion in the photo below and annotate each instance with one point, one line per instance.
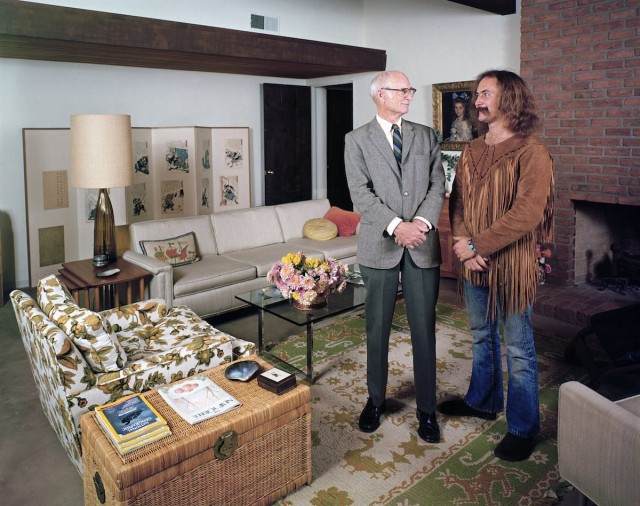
(88, 331)
(133, 315)
(175, 251)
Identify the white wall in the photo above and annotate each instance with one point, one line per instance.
(436, 41)
(420, 37)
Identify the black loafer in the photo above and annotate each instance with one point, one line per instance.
(370, 416)
(457, 407)
(428, 428)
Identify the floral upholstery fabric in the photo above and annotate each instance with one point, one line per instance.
(182, 345)
(89, 332)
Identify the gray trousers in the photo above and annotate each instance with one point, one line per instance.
(420, 291)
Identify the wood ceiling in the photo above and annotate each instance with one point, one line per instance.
(43, 32)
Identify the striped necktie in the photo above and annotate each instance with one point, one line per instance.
(397, 144)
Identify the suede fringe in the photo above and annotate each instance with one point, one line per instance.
(512, 277)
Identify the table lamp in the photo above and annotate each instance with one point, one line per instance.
(101, 157)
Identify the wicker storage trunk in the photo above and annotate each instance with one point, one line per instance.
(272, 459)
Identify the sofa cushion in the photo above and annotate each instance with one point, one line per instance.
(320, 229)
(212, 272)
(346, 221)
(90, 334)
(175, 251)
(338, 248)
(50, 293)
(263, 258)
(293, 215)
(244, 229)
(157, 229)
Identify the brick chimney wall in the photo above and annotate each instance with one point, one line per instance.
(581, 59)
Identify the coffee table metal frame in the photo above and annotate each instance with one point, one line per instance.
(337, 303)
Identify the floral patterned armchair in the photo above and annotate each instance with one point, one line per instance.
(81, 359)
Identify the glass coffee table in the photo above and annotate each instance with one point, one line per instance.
(269, 300)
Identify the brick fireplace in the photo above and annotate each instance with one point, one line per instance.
(581, 59)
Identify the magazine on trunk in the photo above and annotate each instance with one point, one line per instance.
(198, 398)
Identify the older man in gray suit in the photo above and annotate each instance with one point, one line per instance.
(396, 180)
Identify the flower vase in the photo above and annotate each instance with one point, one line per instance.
(318, 302)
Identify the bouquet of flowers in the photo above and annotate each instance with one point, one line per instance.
(307, 281)
(542, 253)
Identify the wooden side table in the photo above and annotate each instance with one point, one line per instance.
(102, 293)
(450, 267)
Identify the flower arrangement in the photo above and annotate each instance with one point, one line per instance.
(307, 281)
(542, 253)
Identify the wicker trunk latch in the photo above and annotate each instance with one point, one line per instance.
(226, 445)
(97, 481)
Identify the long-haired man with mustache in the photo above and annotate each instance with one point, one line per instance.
(500, 207)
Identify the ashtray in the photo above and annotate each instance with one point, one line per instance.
(108, 272)
(242, 371)
(271, 291)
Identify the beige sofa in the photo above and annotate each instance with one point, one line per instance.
(599, 445)
(237, 249)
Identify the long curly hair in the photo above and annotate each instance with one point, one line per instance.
(516, 103)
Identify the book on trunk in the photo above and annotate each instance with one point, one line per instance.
(131, 422)
(197, 398)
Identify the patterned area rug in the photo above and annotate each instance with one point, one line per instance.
(393, 466)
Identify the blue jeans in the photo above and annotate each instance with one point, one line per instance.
(485, 389)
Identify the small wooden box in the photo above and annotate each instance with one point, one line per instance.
(198, 464)
(277, 381)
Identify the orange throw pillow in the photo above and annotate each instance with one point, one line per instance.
(347, 221)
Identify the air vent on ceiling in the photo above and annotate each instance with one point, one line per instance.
(266, 23)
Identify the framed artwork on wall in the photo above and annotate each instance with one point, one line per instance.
(451, 102)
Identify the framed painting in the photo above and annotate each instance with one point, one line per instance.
(451, 114)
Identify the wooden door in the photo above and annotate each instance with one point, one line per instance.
(339, 123)
(287, 143)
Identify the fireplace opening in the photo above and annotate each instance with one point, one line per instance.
(607, 246)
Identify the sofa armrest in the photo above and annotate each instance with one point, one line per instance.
(598, 446)
(161, 285)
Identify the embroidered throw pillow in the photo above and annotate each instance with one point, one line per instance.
(175, 251)
(92, 336)
(320, 229)
(347, 221)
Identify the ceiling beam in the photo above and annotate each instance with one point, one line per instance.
(502, 7)
(44, 32)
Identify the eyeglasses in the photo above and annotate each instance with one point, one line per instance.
(405, 91)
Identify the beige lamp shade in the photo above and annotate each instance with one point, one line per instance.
(101, 155)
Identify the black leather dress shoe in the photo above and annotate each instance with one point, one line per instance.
(370, 416)
(428, 428)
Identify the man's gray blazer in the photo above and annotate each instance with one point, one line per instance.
(380, 193)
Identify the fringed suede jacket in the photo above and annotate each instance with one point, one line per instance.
(503, 200)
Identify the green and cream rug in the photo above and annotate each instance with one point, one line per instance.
(393, 466)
